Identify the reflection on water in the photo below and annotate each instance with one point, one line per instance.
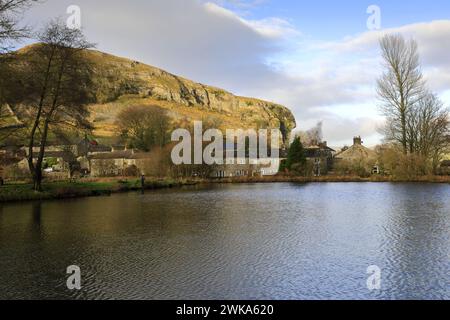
(267, 241)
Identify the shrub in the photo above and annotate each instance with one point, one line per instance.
(404, 167)
(361, 168)
(131, 171)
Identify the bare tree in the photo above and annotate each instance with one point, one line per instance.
(10, 32)
(313, 136)
(10, 28)
(416, 118)
(144, 127)
(401, 87)
(429, 128)
(56, 80)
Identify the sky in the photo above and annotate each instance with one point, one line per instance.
(319, 58)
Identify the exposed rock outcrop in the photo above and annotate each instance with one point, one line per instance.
(115, 78)
(129, 77)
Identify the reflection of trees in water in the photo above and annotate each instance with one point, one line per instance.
(36, 214)
(1, 224)
(36, 227)
(21, 223)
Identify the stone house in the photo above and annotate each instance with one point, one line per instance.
(54, 161)
(117, 163)
(110, 163)
(10, 157)
(358, 157)
(269, 166)
(80, 148)
(242, 167)
(85, 147)
(357, 152)
(320, 158)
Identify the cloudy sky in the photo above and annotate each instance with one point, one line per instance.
(319, 58)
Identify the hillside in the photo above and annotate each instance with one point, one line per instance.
(8, 120)
(120, 83)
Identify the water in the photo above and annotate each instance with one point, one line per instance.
(251, 241)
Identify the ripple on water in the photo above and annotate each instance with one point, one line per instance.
(270, 241)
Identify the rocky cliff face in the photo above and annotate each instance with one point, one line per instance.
(117, 77)
(120, 82)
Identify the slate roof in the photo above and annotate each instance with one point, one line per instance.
(65, 155)
(127, 154)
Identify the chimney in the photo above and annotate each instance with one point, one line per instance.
(357, 141)
(323, 144)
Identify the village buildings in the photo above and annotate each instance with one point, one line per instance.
(357, 152)
(119, 163)
(88, 158)
(320, 158)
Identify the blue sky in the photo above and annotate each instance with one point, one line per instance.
(332, 22)
(331, 19)
(316, 57)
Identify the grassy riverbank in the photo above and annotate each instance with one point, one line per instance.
(332, 179)
(64, 190)
(91, 188)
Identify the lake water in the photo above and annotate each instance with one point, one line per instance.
(249, 241)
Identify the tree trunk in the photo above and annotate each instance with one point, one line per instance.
(36, 171)
(40, 160)
(37, 179)
(404, 135)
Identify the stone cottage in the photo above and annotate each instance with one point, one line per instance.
(320, 158)
(118, 163)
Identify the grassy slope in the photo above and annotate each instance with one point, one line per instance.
(63, 190)
(119, 83)
(7, 118)
(114, 72)
(103, 115)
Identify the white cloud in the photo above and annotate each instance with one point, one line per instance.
(241, 7)
(336, 81)
(191, 38)
(433, 38)
(273, 27)
(267, 58)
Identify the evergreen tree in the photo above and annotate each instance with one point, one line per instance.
(296, 154)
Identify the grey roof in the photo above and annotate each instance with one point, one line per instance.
(6, 160)
(127, 154)
(65, 155)
(112, 155)
(318, 151)
(99, 148)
